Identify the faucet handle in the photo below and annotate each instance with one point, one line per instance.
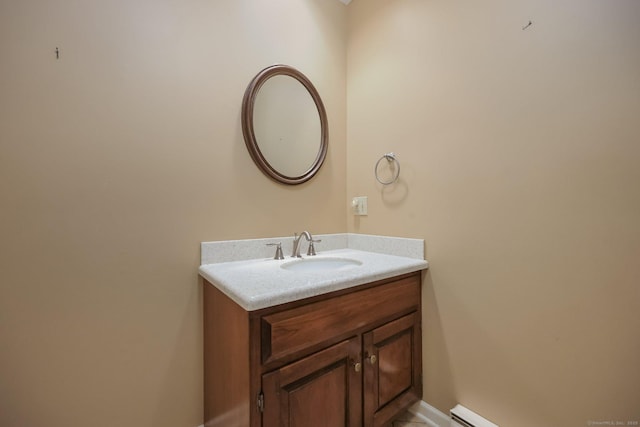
(312, 249)
(278, 254)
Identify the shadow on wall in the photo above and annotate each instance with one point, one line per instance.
(436, 359)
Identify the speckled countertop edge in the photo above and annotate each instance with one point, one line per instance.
(248, 274)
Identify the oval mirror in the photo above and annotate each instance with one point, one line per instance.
(284, 124)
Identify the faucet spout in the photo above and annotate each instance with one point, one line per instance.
(296, 243)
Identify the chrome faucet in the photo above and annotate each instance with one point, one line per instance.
(296, 243)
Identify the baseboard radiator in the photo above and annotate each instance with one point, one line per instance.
(467, 418)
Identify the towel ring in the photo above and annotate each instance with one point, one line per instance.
(391, 157)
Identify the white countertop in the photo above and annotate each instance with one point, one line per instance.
(260, 283)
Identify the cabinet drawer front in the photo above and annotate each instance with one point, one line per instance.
(291, 331)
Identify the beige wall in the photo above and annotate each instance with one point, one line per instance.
(520, 155)
(116, 161)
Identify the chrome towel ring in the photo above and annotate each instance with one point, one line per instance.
(391, 159)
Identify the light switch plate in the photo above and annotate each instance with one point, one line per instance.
(359, 205)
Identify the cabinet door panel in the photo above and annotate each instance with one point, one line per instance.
(308, 403)
(392, 369)
(321, 390)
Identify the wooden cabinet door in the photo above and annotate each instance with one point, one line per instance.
(323, 389)
(392, 369)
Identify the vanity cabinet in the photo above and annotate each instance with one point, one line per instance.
(347, 358)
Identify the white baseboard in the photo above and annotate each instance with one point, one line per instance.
(430, 415)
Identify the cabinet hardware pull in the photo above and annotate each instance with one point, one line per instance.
(372, 359)
(260, 402)
(357, 366)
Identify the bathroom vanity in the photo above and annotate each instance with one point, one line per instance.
(329, 347)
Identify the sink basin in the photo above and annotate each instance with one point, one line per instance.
(320, 264)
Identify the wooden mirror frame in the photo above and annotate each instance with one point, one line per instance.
(250, 140)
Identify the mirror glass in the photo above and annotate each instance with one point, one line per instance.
(287, 125)
(284, 124)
